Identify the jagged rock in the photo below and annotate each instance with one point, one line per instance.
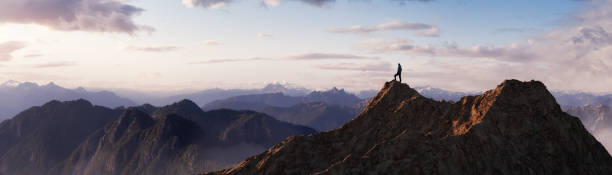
(516, 128)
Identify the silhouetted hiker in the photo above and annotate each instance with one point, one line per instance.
(399, 72)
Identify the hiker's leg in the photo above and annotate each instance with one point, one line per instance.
(400, 75)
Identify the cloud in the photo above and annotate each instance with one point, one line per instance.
(318, 3)
(306, 56)
(210, 4)
(211, 43)
(424, 29)
(320, 56)
(70, 15)
(55, 64)
(512, 52)
(271, 3)
(216, 4)
(33, 55)
(375, 67)
(7, 48)
(264, 35)
(513, 29)
(577, 55)
(215, 61)
(153, 48)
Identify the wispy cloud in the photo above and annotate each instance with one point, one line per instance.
(264, 35)
(33, 55)
(514, 30)
(68, 15)
(376, 67)
(271, 3)
(153, 48)
(216, 4)
(7, 49)
(306, 56)
(210, 4)
(211, 43)
(318, 3)
(510, 52)
(326, 56)
(424, 29)
(55, 64)
(214, 61)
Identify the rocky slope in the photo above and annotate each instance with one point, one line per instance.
(516, 128)
(598, 120)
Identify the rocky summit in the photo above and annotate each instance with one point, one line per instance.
(516, 128)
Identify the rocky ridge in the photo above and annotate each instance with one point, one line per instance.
(516, 128)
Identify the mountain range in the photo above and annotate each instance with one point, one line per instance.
(322, 110)
(516, 128)
(206, 96)
(77, 137)
(17, 96)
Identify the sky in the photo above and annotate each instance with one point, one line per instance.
(183, 45)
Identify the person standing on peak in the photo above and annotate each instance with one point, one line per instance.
(399, 72)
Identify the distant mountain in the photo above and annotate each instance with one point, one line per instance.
(207, 96)
(321, 110)
(568, 99)
(516, 128)
(598, 120)
(318, 115)
(333, 96)
(75, 137)
(17, 96)
(258, 102)
(440, 94)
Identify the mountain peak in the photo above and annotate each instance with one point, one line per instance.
(393, 92)
(402, 132)
(185, 108)
(186, 102)
(10, 83)
(517, 93)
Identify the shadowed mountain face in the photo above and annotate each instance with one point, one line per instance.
(17, 97)
(598, 120)
(76, 137)
(516, 128)
(41, 137)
